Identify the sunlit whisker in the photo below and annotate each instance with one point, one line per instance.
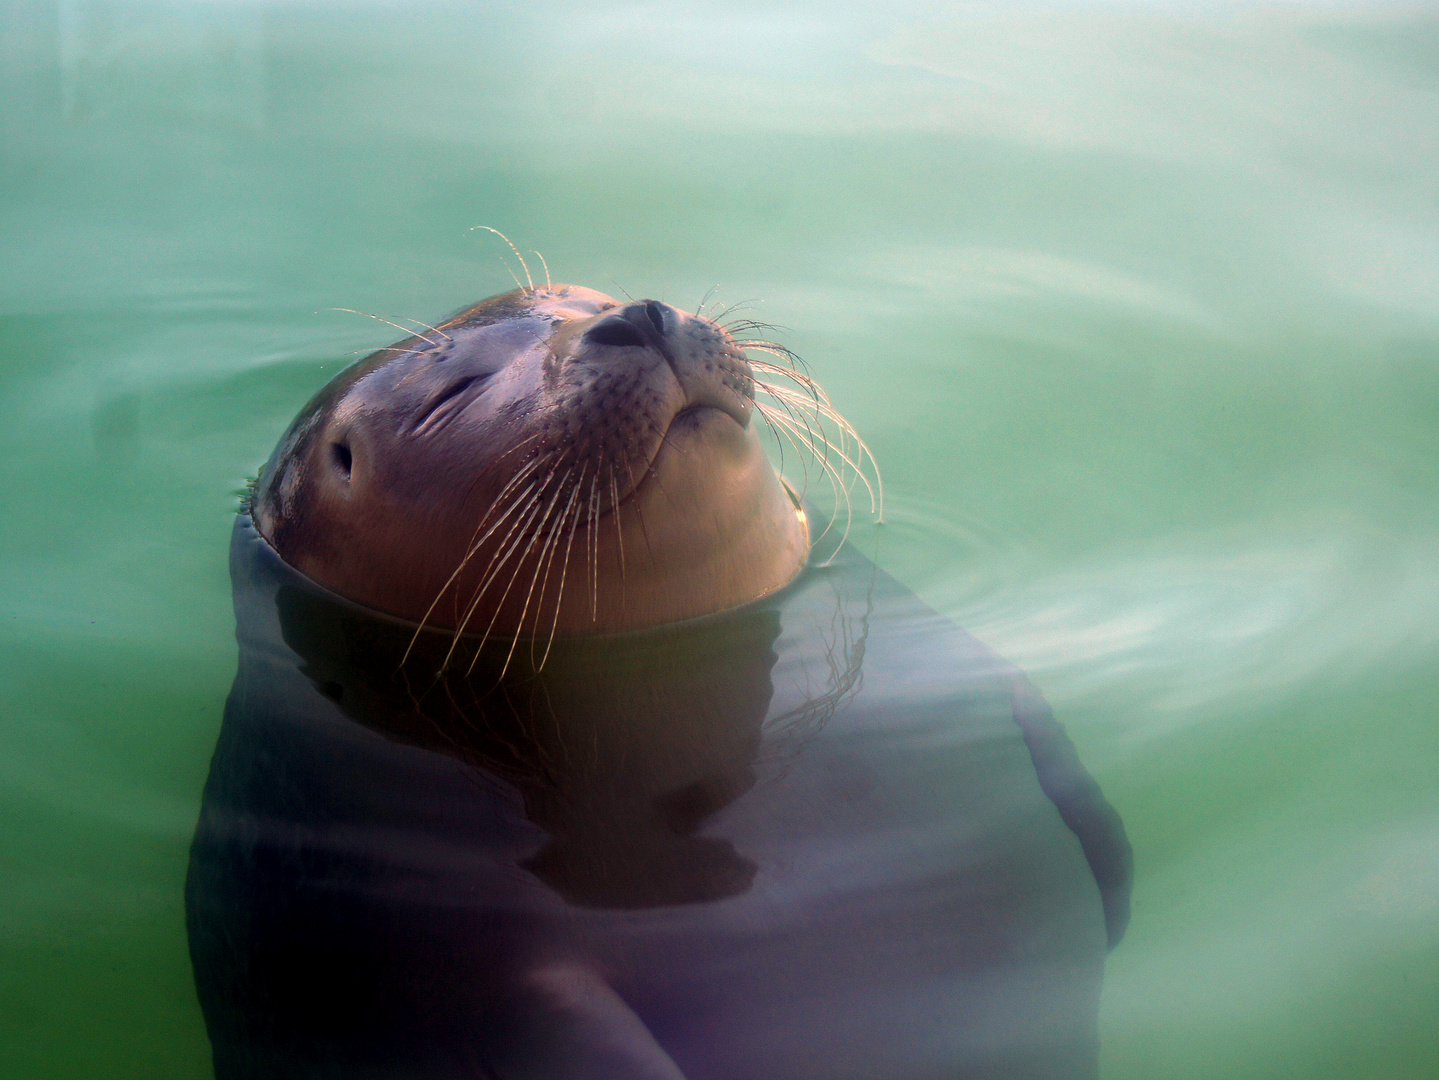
(516, 250)
(805, 401)
(747, 326)
(517, 534)
(529, 537)
(555, 530)
(544, 535)
(545, 263)
(476, 541)
(781, 424)
(859, 473)
(699, 311)
(846, 432)
(564, 569)
(619, 532)
(793, 374)
(719, 319)
(397, 326)
(592, 534)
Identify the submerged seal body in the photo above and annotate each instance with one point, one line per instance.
(788, 824)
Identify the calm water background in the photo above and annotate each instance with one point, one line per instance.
(1138, 307)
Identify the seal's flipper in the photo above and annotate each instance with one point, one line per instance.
(571, 1025)
(1080, 803)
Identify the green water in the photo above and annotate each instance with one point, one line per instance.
(1137, 306)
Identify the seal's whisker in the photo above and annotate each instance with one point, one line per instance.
(782, 436)
(795, 375)
(521, 444)
(528, 469)
(805, 435)
(513, 276)
(788, 368)
(858, 472)
(792, 367)
(532, 498)
(476, 540)
(554, 534)
(744, 326)
(841, 493)
(845, 429)
(397, 326)
(818, 446)
(807, 450)
(783, 352)
(804, 408)
(548, 283)
(803, 390)
(736, 327)
(513, 538)
(560, 590)
(516, 250)
(779, 446)
(592, 529)
(644, 531)
(799, 378)
(794, 409)
(544, 534)
(526, 534)
(846, 433)
(619, 531)
(427, 326)
(719, 319)
(705, 299)
(809, 439)
(805, 401)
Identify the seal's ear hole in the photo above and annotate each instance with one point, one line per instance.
(344, 460)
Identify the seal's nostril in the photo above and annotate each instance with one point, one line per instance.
(615, 331)
(657, 316)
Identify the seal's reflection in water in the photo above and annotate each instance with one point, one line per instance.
(825, 836)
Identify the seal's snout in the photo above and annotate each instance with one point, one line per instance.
(641, 324)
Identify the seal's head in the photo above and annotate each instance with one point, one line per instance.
(545, 461)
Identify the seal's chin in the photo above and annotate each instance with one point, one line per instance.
(704, 437)
(709, 527)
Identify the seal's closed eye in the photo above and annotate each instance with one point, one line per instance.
(449, 393)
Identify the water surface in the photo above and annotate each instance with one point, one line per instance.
(1138, 307)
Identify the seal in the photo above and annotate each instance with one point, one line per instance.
(780, 821)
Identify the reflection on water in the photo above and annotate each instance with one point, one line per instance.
(826, 835)
(1211, 623)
